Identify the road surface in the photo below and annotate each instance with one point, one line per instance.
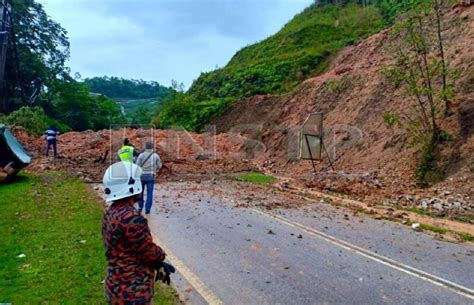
(239, 244)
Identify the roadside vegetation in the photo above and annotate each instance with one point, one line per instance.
(255, 177)
(51, 244)
(301, 49)
(37, 77)
(421, 69)
(460, 236)
(420, 211)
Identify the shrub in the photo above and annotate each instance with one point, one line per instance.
(33, 119)
(338, 86)
(415, 43)
(391, 119)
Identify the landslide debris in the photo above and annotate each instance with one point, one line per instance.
(372, 162)
(87, 154)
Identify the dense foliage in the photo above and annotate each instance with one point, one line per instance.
(75, 106)
(138, 98)
(180, 111)
(36, 76)
(33, 119)
(301, 49)
(120, 88)
(36, 55)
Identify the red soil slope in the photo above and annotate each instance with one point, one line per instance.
(371, 161)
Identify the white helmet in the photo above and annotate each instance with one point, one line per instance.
(121, 180)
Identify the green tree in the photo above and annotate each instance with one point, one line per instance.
(37, 54)
(36, 67)
(74, 105)
(33, 119)
(417, 40)
(141, 116)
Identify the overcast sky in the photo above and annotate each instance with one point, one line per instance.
(163, 40)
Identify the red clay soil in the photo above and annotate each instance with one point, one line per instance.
(372, 162)
(87, 154)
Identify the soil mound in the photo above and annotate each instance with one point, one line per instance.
(354, 95)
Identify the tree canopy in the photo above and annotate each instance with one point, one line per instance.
(115, 87)
(37, 76)
(36, 55)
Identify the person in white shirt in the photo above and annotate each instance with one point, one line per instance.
(150, 163)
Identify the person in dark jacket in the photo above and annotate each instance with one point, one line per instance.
(132, 256)
(51, 133)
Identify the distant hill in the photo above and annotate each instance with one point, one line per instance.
(131, 95)
(120, 88)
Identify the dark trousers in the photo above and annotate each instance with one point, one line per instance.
(49, 144)
(149, 185)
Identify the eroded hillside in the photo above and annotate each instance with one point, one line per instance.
(371, 161)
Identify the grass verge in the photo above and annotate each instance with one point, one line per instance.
(255, 177)
(434, 229)
(51, 243)
(460, 236)
(420, 211)
(465, 236)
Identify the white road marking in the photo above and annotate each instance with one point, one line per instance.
(210, 297)
(454, 287)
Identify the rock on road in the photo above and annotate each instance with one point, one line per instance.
(230, 249)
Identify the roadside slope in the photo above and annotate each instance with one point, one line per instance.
(354, 95)
(301, 49)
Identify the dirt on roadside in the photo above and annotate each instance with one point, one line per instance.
(372, 163)
(87, 154)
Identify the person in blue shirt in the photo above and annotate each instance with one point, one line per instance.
(51, 133)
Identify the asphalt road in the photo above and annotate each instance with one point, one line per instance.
(229, 248)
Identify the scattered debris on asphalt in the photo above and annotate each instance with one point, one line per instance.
(416, 227)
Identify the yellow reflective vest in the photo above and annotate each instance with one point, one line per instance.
(126, 153)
